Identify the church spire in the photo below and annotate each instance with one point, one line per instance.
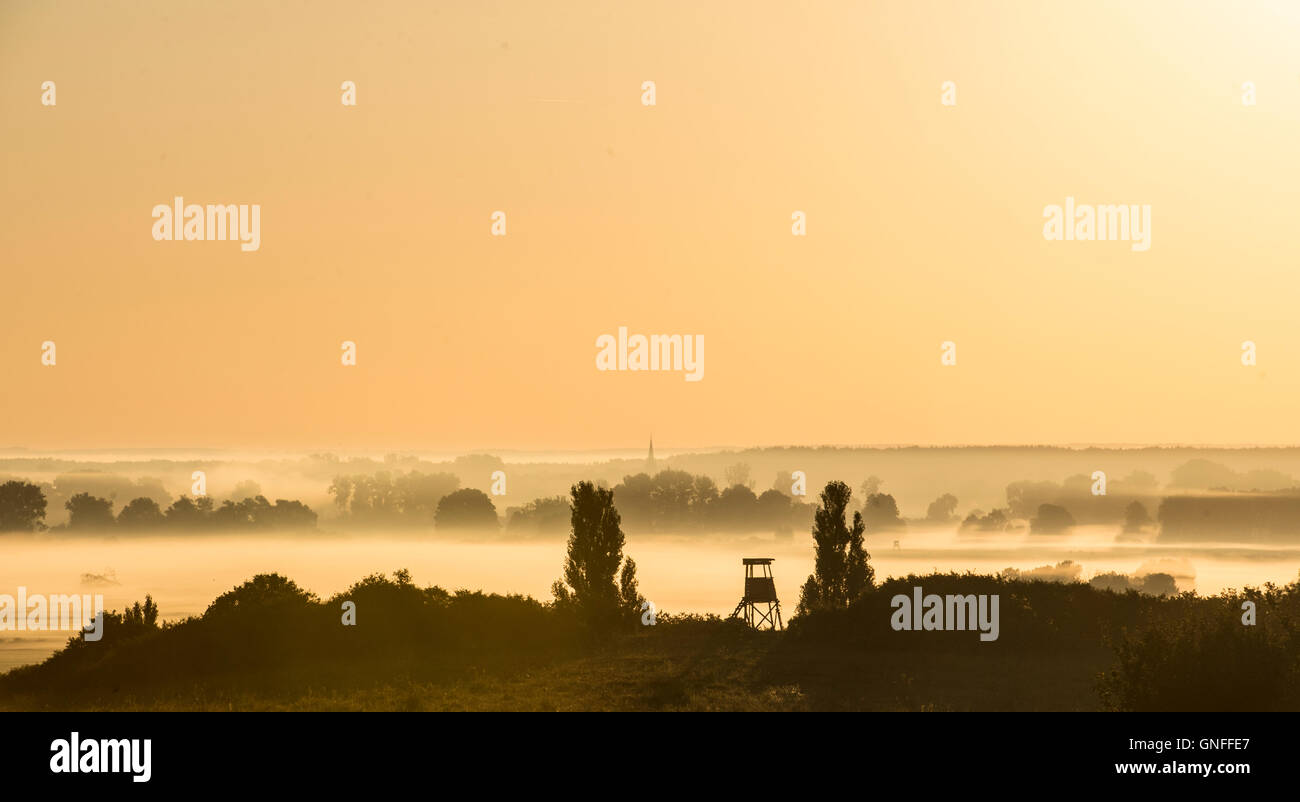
(650, 460)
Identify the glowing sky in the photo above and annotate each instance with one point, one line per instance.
(924, 222)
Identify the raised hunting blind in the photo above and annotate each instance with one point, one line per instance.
(759, 604)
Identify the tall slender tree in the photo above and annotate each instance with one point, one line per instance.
(842, 571)
(592, 562)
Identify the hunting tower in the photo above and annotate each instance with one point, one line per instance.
(760, 589)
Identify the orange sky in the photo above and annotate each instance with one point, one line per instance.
(924, 223)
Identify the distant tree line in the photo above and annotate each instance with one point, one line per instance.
(540, 516)
(186, 514)
(674, 501)
(392, 498)
(23, 505)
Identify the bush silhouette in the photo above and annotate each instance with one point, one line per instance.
(1197, 654)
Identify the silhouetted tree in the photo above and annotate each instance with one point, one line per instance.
(290, 514)
(240, 514)
(995, 521)
(539, 516)
(138, 615)
(671, 495)
(880, 514)
(1136, 518)
(341, 490)
(387, 498)
(942, 509)
(782, 483)
(187, 513)
(1023, 497)
(1139, 480)
(633, 497)
(841, 569)
(1112, 581)
(419, 493)
(773, 508)
(258, 513)
(141, 513)
(738, 474)
(594, 553)
(1051, 520)
(373, 498)
(467, 508)
(859, 576)
(628, 593)
(245, 489)
(106, 486)
(22, 507)
(264, 593)
(736, 507)
(1159, 584)
(670, 500)
(476, 470)
(89, 512)
(704, 497)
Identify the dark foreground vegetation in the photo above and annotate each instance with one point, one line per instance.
(269, 644)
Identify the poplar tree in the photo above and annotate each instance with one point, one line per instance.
(592, 562)
(842, 572)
